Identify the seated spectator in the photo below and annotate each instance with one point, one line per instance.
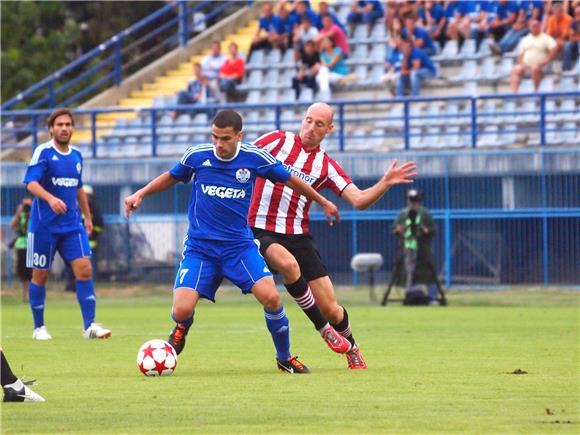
(308, 69)
(500, 16)
(287, 26)
(416, 67)
(232, 74)
(535, 52)
(432, 18)
(570, 56)
(210, 68)
(334, 32)
(301, 11)
(364, 11)
(514, 35)
(419, 36)
(198, 92)
(559, 25)
(302, 33)
(270, 30)
(333, 69)
(323, 11)
(458, 20)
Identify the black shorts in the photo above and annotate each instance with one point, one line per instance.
(301, 246)
(23, 272)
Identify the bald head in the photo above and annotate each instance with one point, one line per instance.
(317, 123)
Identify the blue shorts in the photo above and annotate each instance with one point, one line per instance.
(206, 263)
(42, 245)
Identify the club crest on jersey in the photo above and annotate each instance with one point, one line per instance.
(79, 167)
(243, 175)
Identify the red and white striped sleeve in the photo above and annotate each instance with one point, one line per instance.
(336, 179)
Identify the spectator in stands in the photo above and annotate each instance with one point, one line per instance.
(198, 91)
(301, 11)
(416, 67)
(287, 27)
(459, 15)
(419, 36)
(308, 69)
(516, 32)
(393, 62)
(333, 69)
(570, 56)
(334, 32)
(270, 30)
(323, 11)
(559, 25)
(535, 52)
(232, 73)
(210, 67)
(364, 11)
(500, 16)
(302, 33)
(432, 18)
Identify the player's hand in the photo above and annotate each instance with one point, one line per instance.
(88, 225)
(132, 203)
(331, 210)
(57, 205)
(403, 174)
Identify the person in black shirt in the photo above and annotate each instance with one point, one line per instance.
(309, 66)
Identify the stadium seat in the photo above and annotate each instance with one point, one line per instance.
(448, 52)
(528, 111)
(274, 57)
(432, 138)
(488, 137)
(257, 59)
(570, 133)
(306, 95)
(468, 72)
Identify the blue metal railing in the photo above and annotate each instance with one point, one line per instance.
(105, 65)
(401, 126)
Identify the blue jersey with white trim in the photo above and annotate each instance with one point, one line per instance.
(222, 189)
(61, 175)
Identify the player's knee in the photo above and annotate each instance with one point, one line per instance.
(181, 310)
(84, 272)
(272, 301)
(289, 269)
(39, 277)
(332, 312)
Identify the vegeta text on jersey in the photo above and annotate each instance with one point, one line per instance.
(222, 189)
(60, 174)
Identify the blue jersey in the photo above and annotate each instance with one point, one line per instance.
(222, 189)
(61, 175)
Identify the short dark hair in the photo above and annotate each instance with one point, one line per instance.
(59, 112)
(228, 118)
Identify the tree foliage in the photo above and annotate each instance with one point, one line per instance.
(40, 37)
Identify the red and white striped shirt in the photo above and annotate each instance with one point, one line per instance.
(275, 207)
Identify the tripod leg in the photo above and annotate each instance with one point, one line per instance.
(437, 282)
(394, 276)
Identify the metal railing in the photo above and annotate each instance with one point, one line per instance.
(393, 122)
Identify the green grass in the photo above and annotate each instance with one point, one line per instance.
(431, 369)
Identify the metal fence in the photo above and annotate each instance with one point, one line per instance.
(502, 218)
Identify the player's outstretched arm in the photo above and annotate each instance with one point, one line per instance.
(363, 199)
(159, 184)
(302, 188)
(56, 204)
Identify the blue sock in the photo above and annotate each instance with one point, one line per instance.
(278, 325)
(37, 299)
(87, 300)
(187, 322)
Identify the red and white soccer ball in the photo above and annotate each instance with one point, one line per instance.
(156, 358)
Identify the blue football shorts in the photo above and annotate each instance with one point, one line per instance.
(42, 245)
(206, 263)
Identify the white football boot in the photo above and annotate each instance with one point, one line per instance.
(97, 331)
(41, 334)
(18, 392)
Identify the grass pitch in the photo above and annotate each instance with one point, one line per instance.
(431, 369)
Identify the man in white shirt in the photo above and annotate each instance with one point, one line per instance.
(535, 51)
(210, 67)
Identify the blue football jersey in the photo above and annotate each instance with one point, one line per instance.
(222, 189)
(61, 175)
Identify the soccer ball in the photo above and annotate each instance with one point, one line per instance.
(156, 358)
